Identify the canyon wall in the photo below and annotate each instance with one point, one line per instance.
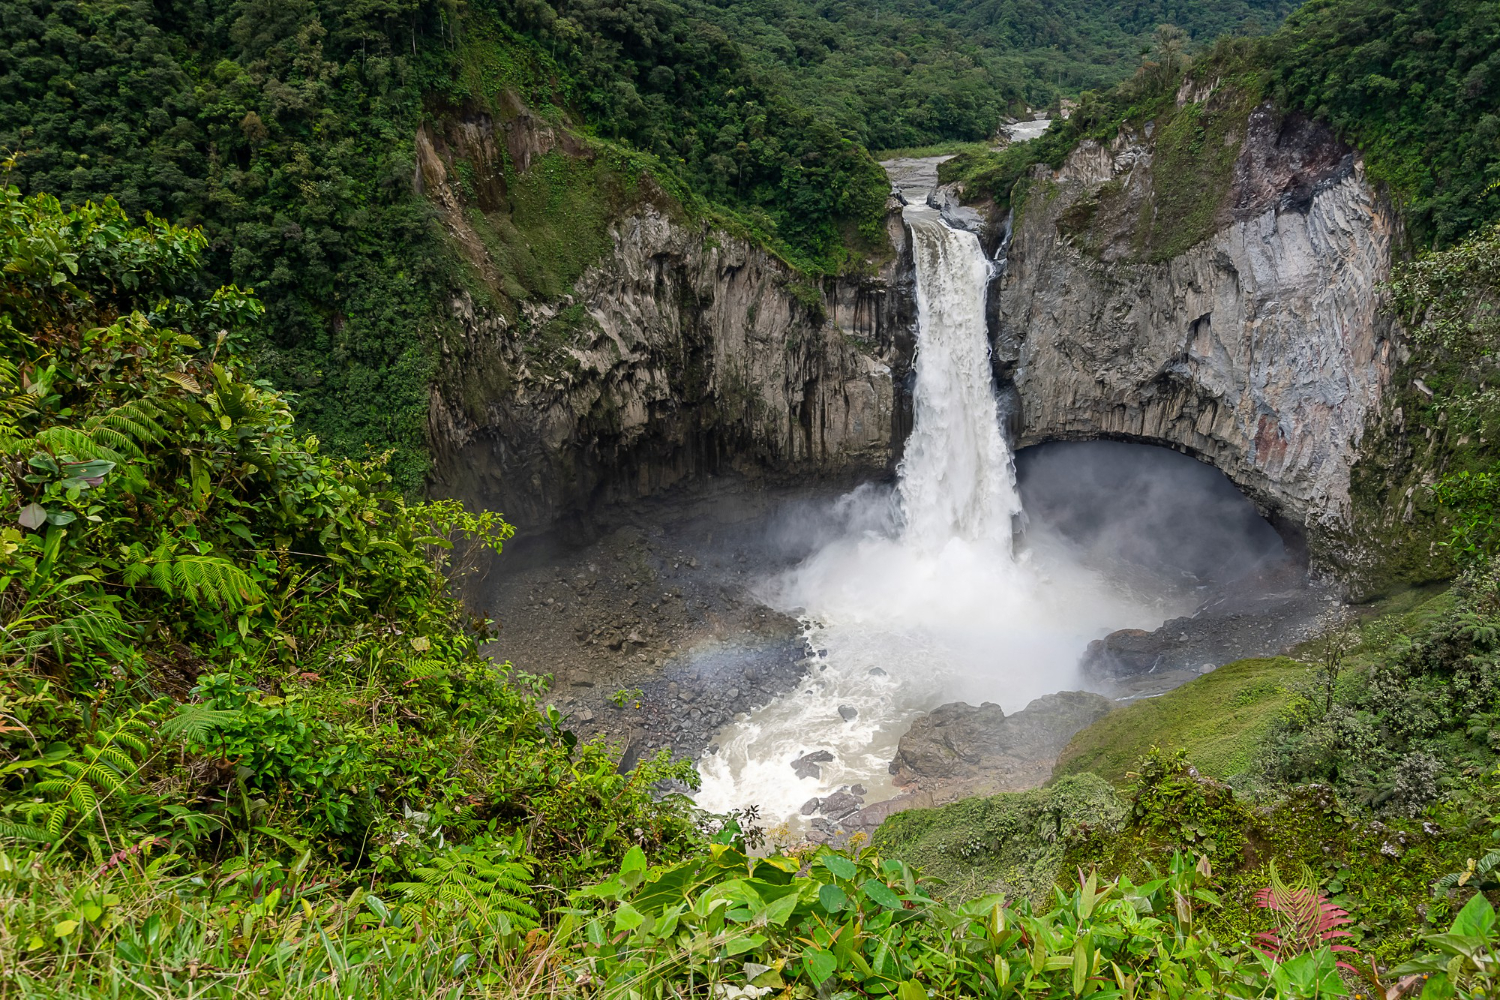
(1261, 347)
(680, 351)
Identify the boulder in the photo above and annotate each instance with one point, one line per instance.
(1128, 652)
(984, 751)
(806, 766)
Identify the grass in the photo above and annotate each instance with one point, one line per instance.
(1218, 718)
(1012, 843)
(1221, 718)
(133, 929)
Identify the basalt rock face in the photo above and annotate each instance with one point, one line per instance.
(681, 352)
(1262, 349)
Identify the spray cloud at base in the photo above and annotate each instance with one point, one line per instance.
(924, 592)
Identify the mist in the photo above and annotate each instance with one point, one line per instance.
(1113, 536)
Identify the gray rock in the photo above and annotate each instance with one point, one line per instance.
(806, 766)
(838, 805)
(877, 672)
(993, 752)
(848, 713)
(1262, 349)
(811, 806)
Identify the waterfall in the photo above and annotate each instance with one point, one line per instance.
(917, 597)
(957, 479)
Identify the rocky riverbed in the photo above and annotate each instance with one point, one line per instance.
(648, 621)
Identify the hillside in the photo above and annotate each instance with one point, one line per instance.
(253, 743)
(897, 73)
(289, 133)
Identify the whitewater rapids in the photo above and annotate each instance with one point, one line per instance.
(922, 599)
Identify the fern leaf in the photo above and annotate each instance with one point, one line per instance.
(56, 820)
(194, 723)
(83, 797)
(25, 831)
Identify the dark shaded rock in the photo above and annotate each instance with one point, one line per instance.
(806, 766)
(838, 805)
(811, 806)
(848, 713)
(1127, 652)
(877, 672)
(860, 790)
(990, 751)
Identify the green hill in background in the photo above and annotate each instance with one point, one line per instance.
(911, 72)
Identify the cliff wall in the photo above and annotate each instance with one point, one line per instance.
(1260, 347)
(676, 351)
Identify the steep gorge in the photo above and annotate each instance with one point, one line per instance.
(680, 351)
(1210, 282)
(1261, 347)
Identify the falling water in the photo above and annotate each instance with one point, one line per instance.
(921, 599)
(957, 480)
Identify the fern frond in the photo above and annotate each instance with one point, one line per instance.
(129, 426)
(62, 440)
(83, 797)
(211, 580)
(56, 820)
(194, 723)
(24, 831)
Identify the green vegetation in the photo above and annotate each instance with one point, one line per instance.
(226, 653)
(897, 73)
(1220, 719)
(286, 129)
(1013, 843)
(1417, 87)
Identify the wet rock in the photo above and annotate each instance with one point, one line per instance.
(838, 805)
(811, 806)
(985, 751)
(877, 672)
(848, 713)
(860, 790)
(1127, 652)
(806, 766)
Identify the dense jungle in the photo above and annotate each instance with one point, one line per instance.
(280, 275)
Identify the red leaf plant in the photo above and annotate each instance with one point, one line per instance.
(1306, 921)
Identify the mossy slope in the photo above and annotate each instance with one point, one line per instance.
(1219, 717)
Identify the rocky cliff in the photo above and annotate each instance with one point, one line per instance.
(677, 351)
(1209, 282)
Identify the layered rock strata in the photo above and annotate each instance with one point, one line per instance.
(1262, 349)
(681, 352)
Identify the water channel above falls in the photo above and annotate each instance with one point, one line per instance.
(751, 626)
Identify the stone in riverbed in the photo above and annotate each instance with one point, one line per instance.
(985, 751)
(838, 805)
(806, 766)
(848, 713)
(811, 806)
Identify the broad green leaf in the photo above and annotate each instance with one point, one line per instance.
(820, 965)
(779, 911)
(64, 927)
(882, 894)
(840, 866)
(634, 860)
(1476, 919)
(911, 990)
(833, 898)
(628, 918)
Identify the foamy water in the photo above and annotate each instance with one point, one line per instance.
(922, 600)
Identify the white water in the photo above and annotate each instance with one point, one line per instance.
(923, 585)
